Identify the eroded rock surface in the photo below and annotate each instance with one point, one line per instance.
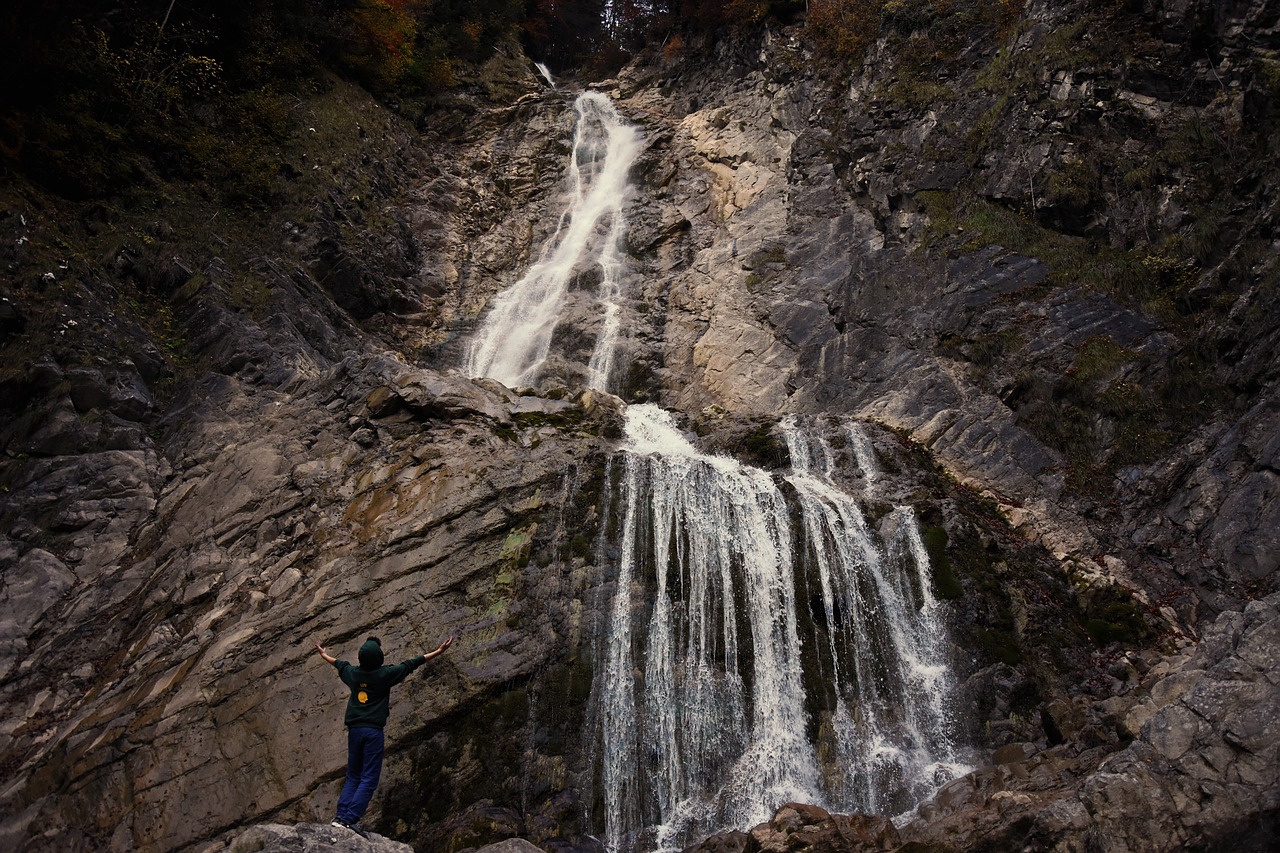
(183, 614)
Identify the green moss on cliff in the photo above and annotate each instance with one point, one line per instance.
(764, 448)
(1114, 616)
(946, 585)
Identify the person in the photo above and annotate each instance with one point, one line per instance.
(367, 710)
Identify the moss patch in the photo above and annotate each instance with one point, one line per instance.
(1114, 616)
(946, 585)
(516, 548)
(764, 448)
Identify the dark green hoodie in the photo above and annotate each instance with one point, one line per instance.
(371, 684)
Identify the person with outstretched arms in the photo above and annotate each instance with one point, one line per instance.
(368, 707)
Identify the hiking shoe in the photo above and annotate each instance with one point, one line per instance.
(351, 826)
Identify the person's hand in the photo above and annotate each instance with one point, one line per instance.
(321, 650)
(439, 650)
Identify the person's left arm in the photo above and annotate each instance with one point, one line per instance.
(439, 650)
(328, 658)
(413, 663)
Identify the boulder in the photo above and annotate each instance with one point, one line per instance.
(434, 395)
(307, 838)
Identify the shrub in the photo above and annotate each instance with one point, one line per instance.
(844, 28)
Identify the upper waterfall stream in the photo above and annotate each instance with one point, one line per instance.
(515, 337)
(764, 641)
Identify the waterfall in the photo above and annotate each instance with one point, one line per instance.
(515, 338)
(764, 642)
(546, 74)
(695, 733)
(723, 695)
(863, 452)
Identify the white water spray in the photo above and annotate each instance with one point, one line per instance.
(891, 725)
(722, 696)
(515, 338)
(764, 643)
(706, 736)
(546, 74)
(863, 452)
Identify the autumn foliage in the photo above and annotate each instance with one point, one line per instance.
(844, 28)
(97, 95)
(380, 39)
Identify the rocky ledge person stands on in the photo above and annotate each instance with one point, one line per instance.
(367, 711)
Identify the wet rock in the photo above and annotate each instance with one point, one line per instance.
(1202, 769)
(726, 842)
(485, 826)
(1013, 752)
(796, 826)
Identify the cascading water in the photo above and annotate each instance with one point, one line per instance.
(763, 643)
(515, 338)
(862, 452)
(884, 655)
(701, 706)
(722, 697)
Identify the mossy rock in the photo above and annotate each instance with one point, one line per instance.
(1113, 616)
(764, 448)
(946, 585)
(998, 645)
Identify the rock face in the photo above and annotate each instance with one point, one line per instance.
(827, 260)
(1044, 260)
(187, 622)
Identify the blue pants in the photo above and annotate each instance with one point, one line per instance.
(364, 766)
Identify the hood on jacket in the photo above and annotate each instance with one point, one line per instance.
(371, 654)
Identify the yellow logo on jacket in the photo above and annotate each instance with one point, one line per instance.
(362, 697)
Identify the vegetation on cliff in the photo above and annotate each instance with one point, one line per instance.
(103, 101)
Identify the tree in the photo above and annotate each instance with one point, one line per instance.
(566, 33)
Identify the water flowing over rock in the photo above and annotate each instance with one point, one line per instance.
(516, 336)
(1199, 773)
(890, 664)
(715, 723)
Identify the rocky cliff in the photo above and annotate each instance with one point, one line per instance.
(1035, 251)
